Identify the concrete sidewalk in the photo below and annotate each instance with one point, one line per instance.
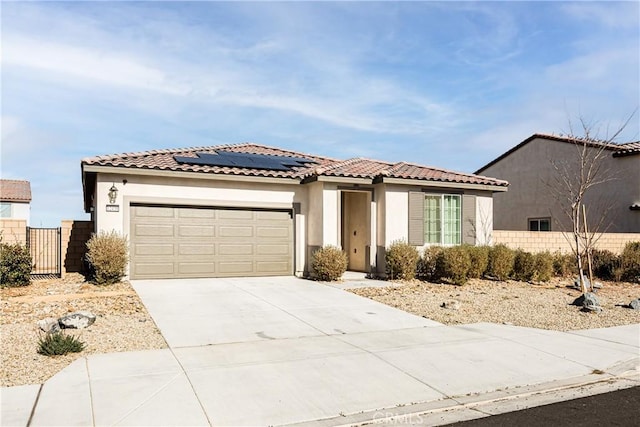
(444, 373)
(275, 351)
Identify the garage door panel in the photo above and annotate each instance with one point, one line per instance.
(235, 214)
(264, 249)
(154, 212)
(279, 231)
(196, 230)
(154, 269)
(196, 213)
(236, 267)
(153, 249)
(153, 230)
(173, 242)
(191, 268)
(196, 249)
(233, 249)
(271, 267)
(237, 231)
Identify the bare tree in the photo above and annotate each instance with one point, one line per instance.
(572, 184)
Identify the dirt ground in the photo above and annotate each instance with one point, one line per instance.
(544, 306)
(122, 324)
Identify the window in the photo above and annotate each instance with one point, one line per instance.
(540, 224)
(5, 210)
(442, 219)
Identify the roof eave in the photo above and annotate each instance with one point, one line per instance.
(444, 184)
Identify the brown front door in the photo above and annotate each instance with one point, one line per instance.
(355, 229)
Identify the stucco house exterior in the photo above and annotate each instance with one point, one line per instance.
(15, 200)
(253, 210)
(532, 205)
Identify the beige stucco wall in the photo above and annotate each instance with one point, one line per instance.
(531, 175)
(396, 214)
(484, 220)
(538, 241)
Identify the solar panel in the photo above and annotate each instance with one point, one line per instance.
(244, 160)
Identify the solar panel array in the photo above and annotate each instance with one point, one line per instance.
(244, 160)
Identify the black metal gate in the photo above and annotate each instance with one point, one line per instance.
(45, 246)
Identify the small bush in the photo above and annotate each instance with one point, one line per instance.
(543, 262)
(564, 265)
(107, 255)
(524, 266)
(500, 262)
(454, 264)
(605, 264)
(59, 343)
(401, 261)
(328, 264)
(630, 262)
(15, 265)
(427, 264)
(479, 260)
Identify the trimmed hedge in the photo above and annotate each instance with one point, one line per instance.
(500, 262)
(401, 260)
(630, 262)
(479, 260)
(328, 264)
(454, 264)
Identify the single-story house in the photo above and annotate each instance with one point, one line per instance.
(15, 200)
(532, 203)
(253, 210)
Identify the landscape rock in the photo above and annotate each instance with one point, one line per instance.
(49, 325)
(585, 299)
(635, 304)
(77, 320)
(451, 305)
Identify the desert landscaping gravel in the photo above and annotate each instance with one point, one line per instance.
(544, 306)
(122, 324)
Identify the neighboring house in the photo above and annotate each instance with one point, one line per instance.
(15, 199)
(252, 210)
(531, 203)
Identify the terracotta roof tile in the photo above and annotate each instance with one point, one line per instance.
(321, 166)
(628, 149)
(15, 191)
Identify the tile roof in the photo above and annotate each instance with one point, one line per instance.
(12, 190)
(321, 166)
(628, 149)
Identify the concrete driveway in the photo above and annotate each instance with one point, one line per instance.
(275, 351)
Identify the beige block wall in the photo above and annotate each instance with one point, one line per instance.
(75, 235)
(539, 241)
(14, 231)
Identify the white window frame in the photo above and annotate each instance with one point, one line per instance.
(442, 220)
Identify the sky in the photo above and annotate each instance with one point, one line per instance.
(445, 84)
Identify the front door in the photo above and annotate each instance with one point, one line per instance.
(355, 229)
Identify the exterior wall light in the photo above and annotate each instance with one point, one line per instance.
(113, 193)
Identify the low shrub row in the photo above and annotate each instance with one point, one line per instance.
(458, 264)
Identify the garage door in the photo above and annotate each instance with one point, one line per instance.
(174, 242)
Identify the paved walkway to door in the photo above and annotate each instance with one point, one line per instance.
(274, 351)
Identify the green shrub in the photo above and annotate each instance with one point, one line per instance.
(524, 266)
(427, 264)
(107, 256)
(500, 262)
(454, 263)
(15, 265)
(605, 264)
(563, 264)
(630, 262)
(401, 261)
(328, 264)
(479, 260)
(59, 343)
(543, 262)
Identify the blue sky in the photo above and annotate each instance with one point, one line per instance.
(448, 84)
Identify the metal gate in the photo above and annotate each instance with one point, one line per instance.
(45, 246)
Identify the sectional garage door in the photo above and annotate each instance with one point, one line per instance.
(175, 242)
